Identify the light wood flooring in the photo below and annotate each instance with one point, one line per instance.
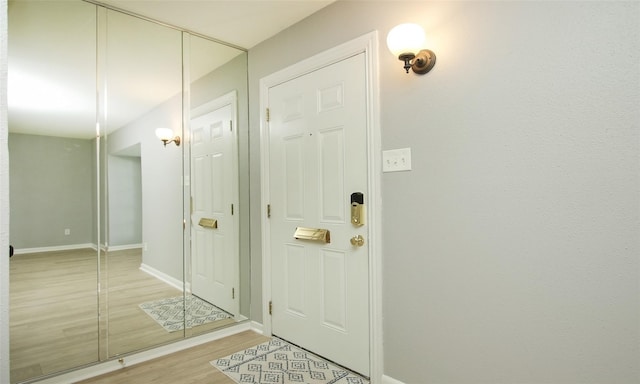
(185, 367)
(54, 305)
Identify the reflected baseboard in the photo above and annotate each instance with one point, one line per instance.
(172, 281)
(19, 251)
(124, 247)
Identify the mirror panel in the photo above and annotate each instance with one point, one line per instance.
(144, 260)
(88, 87)
(52, 110)
(217, 127)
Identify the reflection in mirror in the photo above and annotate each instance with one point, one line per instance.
(53, 273)
(111, 207)
(217, 271)
(144, 259)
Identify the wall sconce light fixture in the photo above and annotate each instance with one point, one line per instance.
(406, 42)
(166, 135)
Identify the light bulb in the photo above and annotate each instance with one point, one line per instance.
(406, 38)
(164, 134)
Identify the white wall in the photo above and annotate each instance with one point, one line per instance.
(511, 251)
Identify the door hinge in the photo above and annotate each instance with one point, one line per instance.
(268, 115)
(232, 209)
(231, 125)
(184, 224)
(268, 210)
(270, 307)
(233, 293)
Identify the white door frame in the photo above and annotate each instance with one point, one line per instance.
(367, 44)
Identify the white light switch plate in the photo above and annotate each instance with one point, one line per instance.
(396, 160)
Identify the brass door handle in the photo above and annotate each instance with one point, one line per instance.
(357, 241)
(314, 234)
(206, 222)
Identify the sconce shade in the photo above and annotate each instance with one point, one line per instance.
(406, 42)
(164, 134)
(406, 38)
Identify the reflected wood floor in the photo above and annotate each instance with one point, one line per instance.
(185, 367)
(53, 312)
(54, 305)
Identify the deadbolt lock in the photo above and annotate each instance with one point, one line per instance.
(357, 209)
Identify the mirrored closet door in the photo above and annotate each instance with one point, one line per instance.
(53, 187)
(143, 262)
(122, 242)
(216, 191)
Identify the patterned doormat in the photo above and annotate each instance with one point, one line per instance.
(277, 361)
(170, 312)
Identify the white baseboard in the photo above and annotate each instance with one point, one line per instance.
(114, 365)
(172, 281)
(389, 380)
(68, 247)
(257, 327)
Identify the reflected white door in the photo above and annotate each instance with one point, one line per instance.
(214, 189)
(318, 158)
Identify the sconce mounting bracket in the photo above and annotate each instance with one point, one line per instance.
(423, 62)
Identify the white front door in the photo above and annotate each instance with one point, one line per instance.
(214, 221)
(318, 158)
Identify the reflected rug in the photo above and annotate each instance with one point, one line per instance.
(169, 313)
(277, 361)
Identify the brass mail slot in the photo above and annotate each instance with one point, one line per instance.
(315, 234)
(208, 223)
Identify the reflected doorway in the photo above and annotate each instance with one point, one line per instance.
(125, 199)
(214, 199)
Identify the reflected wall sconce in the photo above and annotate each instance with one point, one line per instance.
(406, 42)
(166, 135)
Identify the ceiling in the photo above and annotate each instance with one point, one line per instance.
(243, 23)
(52, 78)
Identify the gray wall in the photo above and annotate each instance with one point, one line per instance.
(511, 249)
(161, 176)
(125, 200)
(51, 189)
